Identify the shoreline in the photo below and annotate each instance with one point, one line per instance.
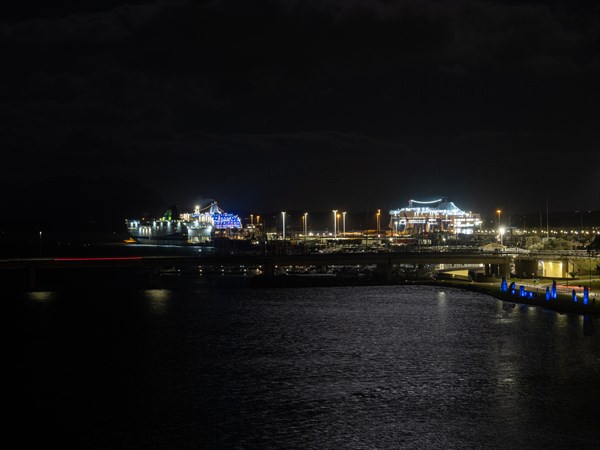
(562, 303)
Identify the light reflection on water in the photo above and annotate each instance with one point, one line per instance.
(349, 367)
(158, 299)
(41, 296)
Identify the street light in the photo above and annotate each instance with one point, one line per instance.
(40, 243)
(251, 219)
(344, 222)
(499, 212)
(334, 221)
(305, 217)
(378, 214)
(501, 230)
(283, 216)
(591, 265)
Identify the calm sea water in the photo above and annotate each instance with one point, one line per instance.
(386, 367)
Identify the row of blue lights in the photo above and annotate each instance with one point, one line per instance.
(226, 221)
(550, 292)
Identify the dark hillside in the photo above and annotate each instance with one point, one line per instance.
(75, 203)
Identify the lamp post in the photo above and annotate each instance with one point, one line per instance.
(591, 264)
(283, 216)
(344, 222)
(501, 230)
(305, 223)
(305, 219)
(251, 219)
(377, 215)
(40, 243)
(499, 212)
(334, 221)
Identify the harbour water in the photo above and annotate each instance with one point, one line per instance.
(372, 367)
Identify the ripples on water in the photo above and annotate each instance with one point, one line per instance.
(350, 367)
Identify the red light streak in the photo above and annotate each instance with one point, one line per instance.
(121, 258)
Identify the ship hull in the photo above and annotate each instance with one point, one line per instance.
(169, 233)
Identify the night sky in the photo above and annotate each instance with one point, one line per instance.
(308, 105)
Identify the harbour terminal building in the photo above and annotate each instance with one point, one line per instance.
(436, 216)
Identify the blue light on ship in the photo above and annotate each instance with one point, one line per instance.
(586, 295)
(548, 295)
(226, 221)
(574, 294)
(503, 287)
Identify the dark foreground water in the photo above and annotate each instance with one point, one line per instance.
(384, 367)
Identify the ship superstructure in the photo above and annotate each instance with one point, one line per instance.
(197, 227)
(438, 215)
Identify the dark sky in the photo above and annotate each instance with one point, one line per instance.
(309, 105)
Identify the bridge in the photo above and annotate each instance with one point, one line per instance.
(498, 264)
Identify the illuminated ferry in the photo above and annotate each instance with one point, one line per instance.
(438, 215)
(198, 227)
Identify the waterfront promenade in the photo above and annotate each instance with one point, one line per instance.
(562, 303)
